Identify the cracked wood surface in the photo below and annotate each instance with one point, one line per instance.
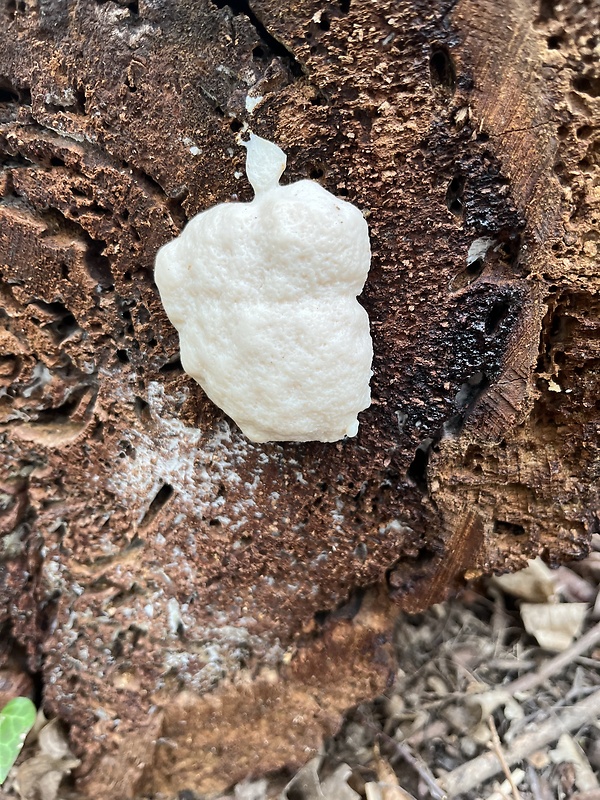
(197, 607)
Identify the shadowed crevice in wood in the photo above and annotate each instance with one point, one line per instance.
(273, 45)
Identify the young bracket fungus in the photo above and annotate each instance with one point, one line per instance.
(263, 295)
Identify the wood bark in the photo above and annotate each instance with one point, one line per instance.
(198, 608)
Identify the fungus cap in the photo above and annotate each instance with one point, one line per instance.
(263, 295)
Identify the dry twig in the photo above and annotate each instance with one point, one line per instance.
(556, 664)
(485, 766)
(404, 752)
(492, 698)
(538, 790)
(595, 795)
(497, 745)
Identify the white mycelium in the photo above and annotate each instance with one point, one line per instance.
(263, 295)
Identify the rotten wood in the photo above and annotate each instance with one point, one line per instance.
(174, 589)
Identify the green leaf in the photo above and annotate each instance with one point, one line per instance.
(16, 720)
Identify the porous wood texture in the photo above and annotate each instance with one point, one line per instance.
(197, 607)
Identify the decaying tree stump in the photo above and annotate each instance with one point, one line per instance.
(197, 607)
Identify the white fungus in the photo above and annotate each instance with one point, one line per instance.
(263, 295)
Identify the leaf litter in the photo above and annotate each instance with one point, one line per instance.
(47, 760)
